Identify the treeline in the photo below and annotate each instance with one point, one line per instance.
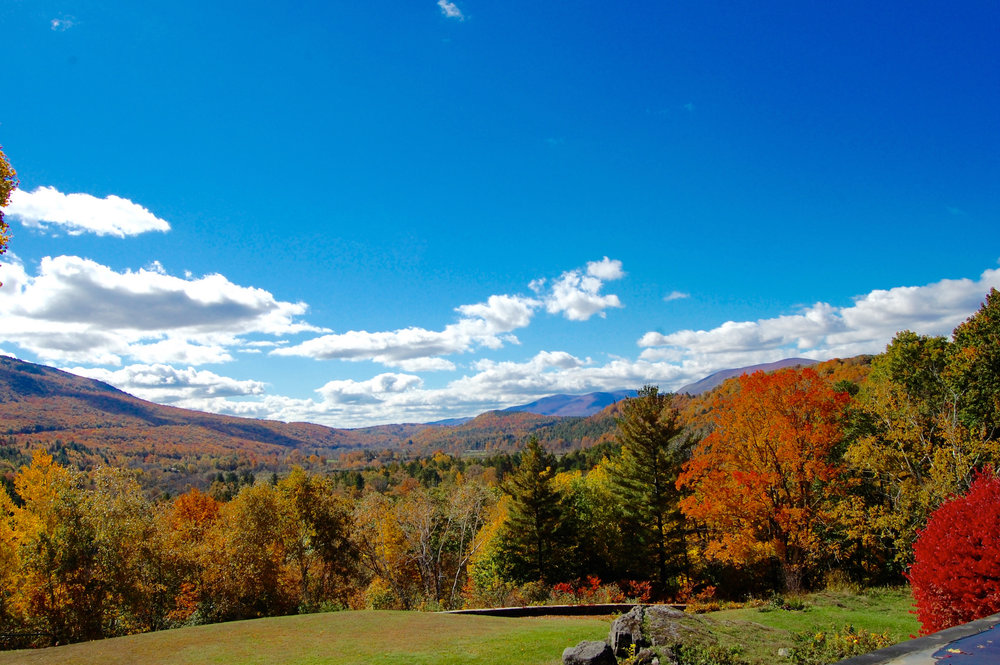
(773, 482)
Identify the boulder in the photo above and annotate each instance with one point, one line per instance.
(589, 653)
(666, 626)
(626, 631)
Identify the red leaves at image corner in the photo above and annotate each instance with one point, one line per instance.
(956, 570)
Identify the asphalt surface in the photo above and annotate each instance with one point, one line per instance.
(974, 643)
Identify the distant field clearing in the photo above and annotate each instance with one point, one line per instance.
(339, 638)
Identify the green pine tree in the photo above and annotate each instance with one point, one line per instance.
(653, 450)
(533, 535)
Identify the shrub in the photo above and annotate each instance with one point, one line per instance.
(826, 647)
(586, 592)
(957, 556)
(695, 653)
(788, 603)
(380, 596)
(638, 591)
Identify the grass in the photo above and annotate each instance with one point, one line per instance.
(760, 632)
(339, 638)
(419, 638)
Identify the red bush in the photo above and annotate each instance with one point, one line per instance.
(956, 564)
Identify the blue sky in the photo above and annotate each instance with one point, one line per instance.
(358, 213)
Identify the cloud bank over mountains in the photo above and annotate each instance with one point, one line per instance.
(823, 331)
(152, 333)
(77, 310)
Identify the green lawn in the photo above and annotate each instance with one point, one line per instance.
(339, 638)
(420, 638)
(761, 633)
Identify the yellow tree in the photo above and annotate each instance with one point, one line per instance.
(131, 554)
(9, 558)
(246, 575)
(764, 480)
(382, 546)
(60, 589)
(912, 448)
(318, 536)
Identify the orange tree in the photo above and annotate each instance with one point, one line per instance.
(763, 482)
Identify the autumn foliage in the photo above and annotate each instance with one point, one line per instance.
(770, 482)
(765, 478)
(956, 570)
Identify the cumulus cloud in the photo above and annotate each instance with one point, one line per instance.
(165, 384)
(47, 207)
(576, 294)
(450, 9)
(77, 310)
(397, 398)
(823, 331)
(668, 360)
(480, 325)
(372, 391)
(489, 324)
(606, 269)
(676, 295)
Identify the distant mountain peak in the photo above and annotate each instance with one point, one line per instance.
(716, 378)
(579, 406)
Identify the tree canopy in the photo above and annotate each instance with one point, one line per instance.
(763, 481)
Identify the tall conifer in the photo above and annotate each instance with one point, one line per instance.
(653, 451)
(534, 527)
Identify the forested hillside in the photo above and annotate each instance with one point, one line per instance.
(85, 423)
(772, 482)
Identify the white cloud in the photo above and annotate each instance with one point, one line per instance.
(77, 310)
(165, 384)
(824, 331)
(606, 269)
(676, 295)
(398, 398)
(425, 365)
(482, 325)
(61, 24)
(668, 360)
(82, 213)
(372, 391)
(450, 9)
(576, 295)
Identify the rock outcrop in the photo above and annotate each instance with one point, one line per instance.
(589, 653)
(626, 631)
(653, 630)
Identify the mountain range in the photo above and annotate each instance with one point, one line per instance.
(87, 422)
(715, 379)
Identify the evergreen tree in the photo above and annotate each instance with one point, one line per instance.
(653, 451)
(534, 529)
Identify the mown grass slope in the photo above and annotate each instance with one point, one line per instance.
(759, 632)
(420, 638)
(339, 638)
